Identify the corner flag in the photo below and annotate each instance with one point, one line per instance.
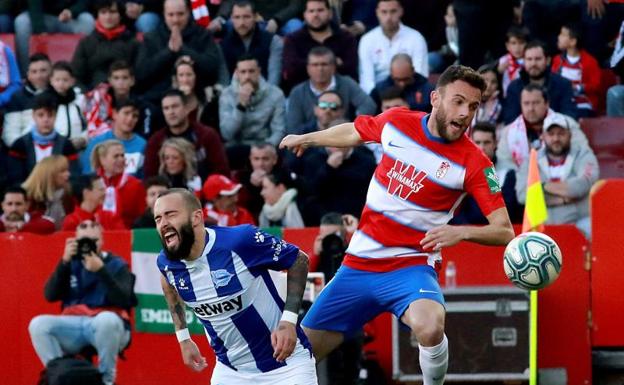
(535, 213)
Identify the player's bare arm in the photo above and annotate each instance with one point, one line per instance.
(190, 352)
(284, 338)
(342, 135)
(498, 231)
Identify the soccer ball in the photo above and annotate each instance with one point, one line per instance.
(532, 261)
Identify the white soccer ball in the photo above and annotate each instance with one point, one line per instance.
(532, 261)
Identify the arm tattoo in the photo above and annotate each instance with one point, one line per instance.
(175, 304)
(296, 282)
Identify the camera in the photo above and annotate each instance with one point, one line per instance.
(332, 254)
(85, 246)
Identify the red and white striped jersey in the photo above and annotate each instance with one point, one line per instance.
(419, 183)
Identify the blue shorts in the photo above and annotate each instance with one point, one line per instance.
(354, 297)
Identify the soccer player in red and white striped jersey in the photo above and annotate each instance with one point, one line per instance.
(427, 168)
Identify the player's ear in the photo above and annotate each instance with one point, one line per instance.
(435, 98)
(197, 217)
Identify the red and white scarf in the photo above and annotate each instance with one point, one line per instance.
(200, 12)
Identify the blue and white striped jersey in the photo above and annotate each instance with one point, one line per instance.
(232, 294)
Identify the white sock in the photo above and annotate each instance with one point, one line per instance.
(434, 362)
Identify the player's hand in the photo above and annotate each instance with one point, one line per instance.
(443, 236)
(295, 143)
(92, 262)
(71, 248)
(191, 356)
(283, 339)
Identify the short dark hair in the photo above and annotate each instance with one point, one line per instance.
(156, 180)
(45, 101)
(392, 92)
(575, 32)
(326, 2)
(16, 189)
(282, 176)
(459, 72)
(130, 102)
(332, 218)
(537, 44)
(536, 87)
(119, 65)
(384, 1)
(321, 50)
(190, 200)
(518, 32)
(243, 4)
(246, 57)
(63, 65)
(38, 56)
(485, 127)
(173, 92)
(331, 92)
(81, 183)
(103, 4)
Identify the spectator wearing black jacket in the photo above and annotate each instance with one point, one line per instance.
(96, 291)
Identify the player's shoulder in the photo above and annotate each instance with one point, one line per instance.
(403, 118)
(233, 235)
(472, 155)
(162, 261)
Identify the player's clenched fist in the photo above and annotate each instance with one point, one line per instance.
(283, 339)
(191, 356)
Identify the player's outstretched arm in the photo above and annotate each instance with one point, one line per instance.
(498, 231)
(284, 338)
(342, 135)
(190, 352)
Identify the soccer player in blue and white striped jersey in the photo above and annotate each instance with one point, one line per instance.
(222, 274)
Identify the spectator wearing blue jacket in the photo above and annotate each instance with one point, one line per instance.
(10, 79)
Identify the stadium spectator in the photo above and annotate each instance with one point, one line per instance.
(15, 216)
(89, 192)
(280, 201)
(263, 159)
(153, 186)
(319, 30)
(10, 79)
(526, 130)
(615, 94)
(544, 18)
(143, 15)
(378, 46)
(70, 121)
(333, 179)
(490, 108)
(125, 194)
(101, 101)
(221, 208)
(328, 108)
(18, 116)
(62, 16)
(355, 16)
(48, 189)
(178, 36)
(536, 71)
(321, 69)
(341, 225)
(580, 68)
(600, 21)
(125, 118)
(245, 37)
(109, 42)
(449, 52)
(250, 109)
(178, 164)
(510, 64)
(567, 172)
(274, 16)
(201, 103)
(414, 87)
(484, 136)
(42, 141)
(208, 147)
(96, 290)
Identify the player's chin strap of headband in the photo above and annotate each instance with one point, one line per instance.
(289, 316)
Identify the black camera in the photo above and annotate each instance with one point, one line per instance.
(332, 253)
(85, 246)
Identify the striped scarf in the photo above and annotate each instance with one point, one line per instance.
(200, 12)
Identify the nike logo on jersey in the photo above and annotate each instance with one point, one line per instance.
(391, 144)
(211, 309)
(422, 291)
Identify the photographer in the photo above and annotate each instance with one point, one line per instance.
(96, 290)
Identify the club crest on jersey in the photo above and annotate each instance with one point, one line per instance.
(404, 179)
(221, 277)
(443, 169)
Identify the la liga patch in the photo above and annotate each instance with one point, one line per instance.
(492, 180)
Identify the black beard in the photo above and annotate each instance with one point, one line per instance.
(564, 151)
(186, 240)
(320, 28)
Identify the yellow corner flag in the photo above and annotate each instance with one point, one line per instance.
(535, 213)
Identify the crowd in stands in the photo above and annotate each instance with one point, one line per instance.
(152, 98)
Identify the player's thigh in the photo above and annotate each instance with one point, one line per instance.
(425, 318)
(323, 341)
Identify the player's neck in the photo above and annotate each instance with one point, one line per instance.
(198, 246)
(432, 127)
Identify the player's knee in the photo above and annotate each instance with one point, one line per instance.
(428, 328)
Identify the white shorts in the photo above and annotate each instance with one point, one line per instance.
(297, 372)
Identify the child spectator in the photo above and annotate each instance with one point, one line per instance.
(89, 191)
(154, 186)
(221, 207)
(70, 120)
(178, 165)
(510, 64)
(580, 68)
(280, 201)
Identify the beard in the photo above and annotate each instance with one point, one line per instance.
(186, 239)
(322, 27)
(442, 125)
(560, 150)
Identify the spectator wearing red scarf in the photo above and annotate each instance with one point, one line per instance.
(109, 42)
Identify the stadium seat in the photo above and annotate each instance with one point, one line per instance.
(606, 138)
(607, 79)
(8, 39)
(58, 46)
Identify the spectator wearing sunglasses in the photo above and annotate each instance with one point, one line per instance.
(327, 108)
